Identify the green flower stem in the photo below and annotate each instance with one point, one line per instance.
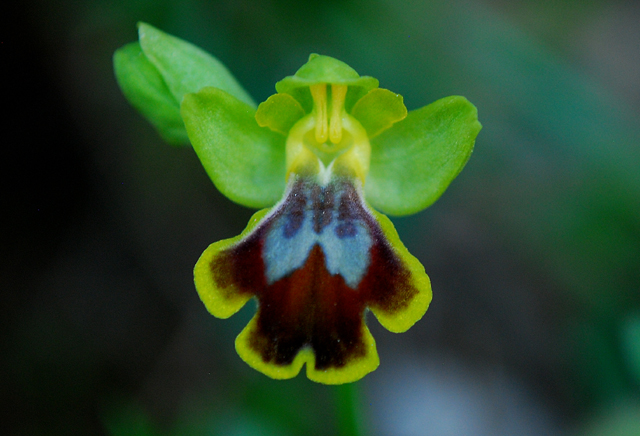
(349, 410)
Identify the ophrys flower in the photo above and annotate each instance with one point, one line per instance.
(318, 153)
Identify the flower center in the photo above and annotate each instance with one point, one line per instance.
(328, 139)
(331, 127)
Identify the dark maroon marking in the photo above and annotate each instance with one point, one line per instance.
(322, 204)
(348, 210)
(295, 210)
(346, 230)
(387, 283)
(349, 207)
(240, 266)
(310, 307)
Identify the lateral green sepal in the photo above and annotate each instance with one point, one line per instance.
(246, 162)
(414, 161)
(185, 67)
(146, 90)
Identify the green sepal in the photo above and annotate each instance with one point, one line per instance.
(378, 110)
(146, 90)
(325, 69)
(246, 162)
(279, 113)
(414, 161)
(156, 72)
(185, 67)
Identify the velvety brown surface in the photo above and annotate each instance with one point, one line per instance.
(310, 307)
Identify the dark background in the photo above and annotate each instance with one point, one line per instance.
(533, 252)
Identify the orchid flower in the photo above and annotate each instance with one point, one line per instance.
(325, 157)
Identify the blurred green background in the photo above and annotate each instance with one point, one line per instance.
(534, 251)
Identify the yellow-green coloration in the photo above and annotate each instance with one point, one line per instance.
(326, 136)
(316, 154)
(223, 302)
(219, 303)
(330, 376)
(402, 321)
